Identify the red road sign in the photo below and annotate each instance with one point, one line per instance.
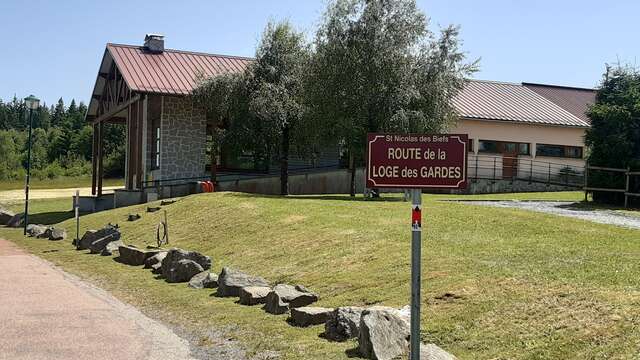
(417, 161)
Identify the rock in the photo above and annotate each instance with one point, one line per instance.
(204, 280)
(35, 230)
(100, 244)
(171, 261)
(111, 248)
(433, 352)
(384, 333)
(16, 221)
(231, 281)
(182, 271)
(167, 202)
(131, 255)
(153, 209)
(343, 324)
(5, 216)
(93, 235)
(308, 315)
(156, 268)
(253, 295)
(155, 259)
(284, 297)
(55, 234)
(133, 217)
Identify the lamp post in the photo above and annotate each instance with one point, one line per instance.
(32, 103)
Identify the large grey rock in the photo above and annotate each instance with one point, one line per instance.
(204, 280)
(343, 324)
(174, 256)
(5, 216)
(155, 259)
(182, 271)
(231, 281)
(131, 255)
(100, 244)
(16, 221)
(309, 315)
(253, 295)
(384, 333)
(433, 352)
(109, 231)
(55, 234)
(36, 230)
(156, 268)
(111, 248)
(284, 297)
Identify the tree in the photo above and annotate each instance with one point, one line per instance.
(614, 136)
(277, 83)
(377, 67)
(58, 114)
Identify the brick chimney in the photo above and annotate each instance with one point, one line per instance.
(154, 43)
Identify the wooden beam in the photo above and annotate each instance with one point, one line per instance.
(116, 110)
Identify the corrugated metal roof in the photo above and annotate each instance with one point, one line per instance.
(574, 100)
(511, 102)
(171, 72)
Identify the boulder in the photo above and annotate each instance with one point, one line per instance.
(111, 248)
(153, 209)
(155, 259)
(35, 230)
(55, 234)
(16, 221)
(156, 268)
(433, 352)
(182, 271)
(131, 255)
(231, 281)
(204, 280)
(5, 216)
(343, 323)
(284, 297)
(133, 217)
(90, 236)
(309, 315)
(253, 295)
(171, 260)
(384, 333)
(100, 244)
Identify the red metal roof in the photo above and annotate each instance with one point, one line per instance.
(490, 100)
(171, 72)
(574, 100)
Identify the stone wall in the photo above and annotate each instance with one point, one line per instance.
(182, 139)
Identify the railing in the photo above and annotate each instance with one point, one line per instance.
(628, 174)
(498, 167)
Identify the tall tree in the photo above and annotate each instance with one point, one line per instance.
(277, 78)
(614, 136)
(377, 67)
(58, 114)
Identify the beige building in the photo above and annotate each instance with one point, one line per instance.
(523, 130)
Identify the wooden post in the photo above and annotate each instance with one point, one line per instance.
(100, 156)
(626, 189)
(94, 160)
(140, 152)
(586, 182)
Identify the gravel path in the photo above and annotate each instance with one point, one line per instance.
(568, 209)
(8, 196)
(48, 314)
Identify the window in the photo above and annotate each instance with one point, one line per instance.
(156, 155)
(492, 146)
(488, 146)
(559, 151)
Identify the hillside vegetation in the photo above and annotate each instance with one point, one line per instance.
(497, 283)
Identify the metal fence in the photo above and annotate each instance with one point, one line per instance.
(498, 167)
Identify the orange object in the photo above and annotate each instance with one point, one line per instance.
(212, 187)
(203, 186)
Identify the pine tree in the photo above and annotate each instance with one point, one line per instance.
(58, 114)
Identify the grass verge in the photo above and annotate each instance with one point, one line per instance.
(497, 283)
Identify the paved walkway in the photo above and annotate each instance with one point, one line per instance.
(46, 313)
(14, 195)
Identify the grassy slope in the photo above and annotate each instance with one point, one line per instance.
(59, 183)
(526, 285)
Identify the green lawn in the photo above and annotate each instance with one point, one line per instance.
(497, 283)
(59, 183)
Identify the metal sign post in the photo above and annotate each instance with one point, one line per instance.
(416, 270)
(416, 161)
(76, 208)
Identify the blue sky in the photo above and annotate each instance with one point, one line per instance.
(53, 48)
